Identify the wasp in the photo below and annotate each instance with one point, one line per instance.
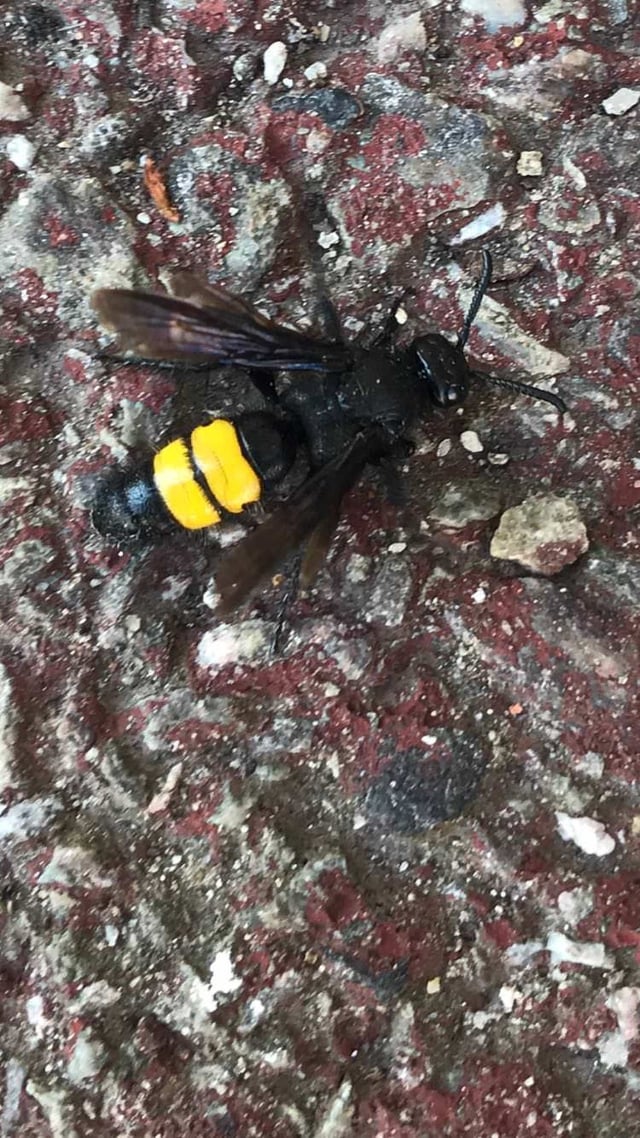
(347, 406)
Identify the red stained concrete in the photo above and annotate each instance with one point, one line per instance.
(334, 921)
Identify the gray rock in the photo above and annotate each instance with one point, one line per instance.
(465, 502)
(543, 534)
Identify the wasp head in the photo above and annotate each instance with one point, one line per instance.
(443, 368)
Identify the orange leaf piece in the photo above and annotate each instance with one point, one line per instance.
(158, 192)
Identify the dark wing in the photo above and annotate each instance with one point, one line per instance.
(205, 324)
(187, 286)
(303, 514)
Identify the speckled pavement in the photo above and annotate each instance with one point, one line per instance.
(386, 884)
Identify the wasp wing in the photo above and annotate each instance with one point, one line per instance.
(206, 324)
(187, 286)
(243, 567)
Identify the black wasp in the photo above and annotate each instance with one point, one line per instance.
(347, 406)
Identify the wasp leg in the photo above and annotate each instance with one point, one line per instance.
(393, 483)
(392, 477)
(288, 598)
(331, 320)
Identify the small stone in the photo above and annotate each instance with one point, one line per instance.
(443, 448)
(530, 164)
(575, 173)
(483, 223)
(589, 953)
(509, 997)
(466, 502)
(275, 58)
(12, 109)
(496, 13)
(574, 905)
(542, 534)
(471, 442)
(87, 1057)
(327, 240)
(404, 34)
(498, 458)
(397, 547)
(241, 643)
(244, 67)
(223, 980)
(433, 986)
(160, 801)
(587, 833)
(20, 151)
(622, 100)
(315, 71)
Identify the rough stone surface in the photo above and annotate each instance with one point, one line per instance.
(326, 894)
(542, 534)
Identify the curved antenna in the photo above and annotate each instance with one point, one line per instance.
(524, 389)
(476, 300)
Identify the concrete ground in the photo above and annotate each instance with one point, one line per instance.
(385, 884)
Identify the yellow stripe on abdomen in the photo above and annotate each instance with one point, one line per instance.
(231, 479)
(176, 485)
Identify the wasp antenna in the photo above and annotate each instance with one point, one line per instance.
(476, 301)
(524, 389)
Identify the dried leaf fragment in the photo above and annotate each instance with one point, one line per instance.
(158, 192)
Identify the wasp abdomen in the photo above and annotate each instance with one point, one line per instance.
(200, 479)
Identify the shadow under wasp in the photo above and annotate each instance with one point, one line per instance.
(348, 406)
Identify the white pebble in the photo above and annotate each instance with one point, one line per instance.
(481, 224)
(443, 448)
(530, 164)
(326, 240)
(12, 109)
(591, 954)
(625, 1003)
(574, 905)
(587, 833)
(498, 458)
(275, 58)
(509, 997)
(479, 597)
(397, 547)
(238, 643)
(404, 34)
(20, 151)
(496, 13)
(222, 977)
(622, 100)
(315, 71)
(471, 442)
